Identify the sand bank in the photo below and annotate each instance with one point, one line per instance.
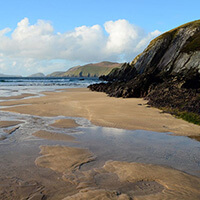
(21, 96)
(53, 136)
(65, 123)
(62, 158)
(5, 124)
(102, 110)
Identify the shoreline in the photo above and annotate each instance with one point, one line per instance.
(101, 110)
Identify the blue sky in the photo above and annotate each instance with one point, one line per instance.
(65, 26)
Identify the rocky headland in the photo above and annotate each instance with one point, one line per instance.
(88, 70)
(167, 73)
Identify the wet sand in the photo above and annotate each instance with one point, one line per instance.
(8, 128)
(195, 138)
(118, 180)
(122, 180)
(58, 172)
(6, 124)
(53, 136)
(63, 158)
(65, 123)
(105, 111)
(21, 96)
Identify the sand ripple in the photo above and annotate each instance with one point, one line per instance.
(62, 158)
(117, 180)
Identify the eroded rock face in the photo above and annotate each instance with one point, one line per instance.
(173, 51)
(167, 52)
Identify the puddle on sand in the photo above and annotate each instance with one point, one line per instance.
(179, 152)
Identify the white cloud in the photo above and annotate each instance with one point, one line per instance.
(25, 31)
(31, 48)
(122, 34)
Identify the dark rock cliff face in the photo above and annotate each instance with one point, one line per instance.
(169, 65)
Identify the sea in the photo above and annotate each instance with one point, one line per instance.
(13, 86)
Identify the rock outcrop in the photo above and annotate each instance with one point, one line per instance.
(170, 63)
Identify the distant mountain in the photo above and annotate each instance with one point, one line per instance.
(89, 70)
(5, 75)
(55, 74)
(37, 75)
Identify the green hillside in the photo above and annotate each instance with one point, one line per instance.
(89, 70)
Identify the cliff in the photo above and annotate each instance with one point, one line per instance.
(89, 70)
(167, 72)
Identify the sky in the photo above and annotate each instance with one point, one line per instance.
(55, 35)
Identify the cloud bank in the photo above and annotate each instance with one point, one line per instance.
(30, 48)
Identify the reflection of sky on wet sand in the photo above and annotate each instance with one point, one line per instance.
(143, 146)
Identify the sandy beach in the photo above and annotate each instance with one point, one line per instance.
(61, 164)
(102, 110)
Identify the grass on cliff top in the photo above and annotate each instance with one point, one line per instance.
(193, 45)
(187, 116)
